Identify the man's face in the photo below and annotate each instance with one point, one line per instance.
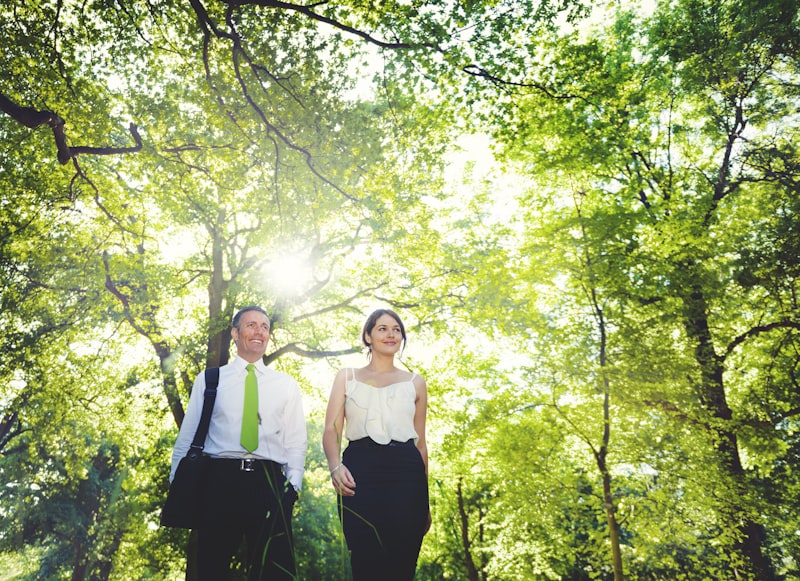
(252, 336)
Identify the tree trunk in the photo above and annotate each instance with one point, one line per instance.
(713, 399)
(167, 366)
(469, 562)
(601, 455)
(79, 569)
(219, 313)
(608, 497)
(613, 527)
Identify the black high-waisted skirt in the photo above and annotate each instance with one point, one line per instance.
(385, 521)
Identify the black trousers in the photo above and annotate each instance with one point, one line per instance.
(384, 522)
(252, 501)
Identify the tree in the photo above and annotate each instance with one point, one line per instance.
(247, 144)
(670, 130)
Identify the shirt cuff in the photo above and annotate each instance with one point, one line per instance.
(295, 477)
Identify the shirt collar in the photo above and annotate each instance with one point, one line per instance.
(242, 364)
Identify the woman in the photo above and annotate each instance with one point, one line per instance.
(382, 477)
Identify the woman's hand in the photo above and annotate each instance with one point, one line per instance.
(343, 482)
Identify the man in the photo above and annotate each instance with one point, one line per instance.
(256, 470)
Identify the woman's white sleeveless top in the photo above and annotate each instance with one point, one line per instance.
(381, 413)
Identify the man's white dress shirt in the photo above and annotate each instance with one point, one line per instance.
(282, 435)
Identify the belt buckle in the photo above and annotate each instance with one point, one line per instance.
(247, 465)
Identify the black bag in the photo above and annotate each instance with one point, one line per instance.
(184, 506)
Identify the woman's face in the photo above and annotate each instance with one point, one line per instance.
(386, 336)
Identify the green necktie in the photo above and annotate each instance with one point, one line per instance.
(250, 411)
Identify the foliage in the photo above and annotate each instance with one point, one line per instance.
(610, 342)
(650, 187)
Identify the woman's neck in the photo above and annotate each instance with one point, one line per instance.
(380, 364)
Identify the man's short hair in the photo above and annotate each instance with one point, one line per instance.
(238, 316)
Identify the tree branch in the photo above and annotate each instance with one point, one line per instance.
(785, 324)
(306, 10)
(31, 118)
(478, 71)
(310, 353)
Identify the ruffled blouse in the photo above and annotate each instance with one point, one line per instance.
(381, 413)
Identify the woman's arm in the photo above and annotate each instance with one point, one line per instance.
(332, 437)
(420, 414)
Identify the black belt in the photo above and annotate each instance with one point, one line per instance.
(370, 442)
(246, 464)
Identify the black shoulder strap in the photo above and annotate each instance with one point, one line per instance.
(209, 395)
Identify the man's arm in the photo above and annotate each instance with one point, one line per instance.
(189, 426)
(296, 437)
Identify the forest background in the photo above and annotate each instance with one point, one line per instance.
(602, 294)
